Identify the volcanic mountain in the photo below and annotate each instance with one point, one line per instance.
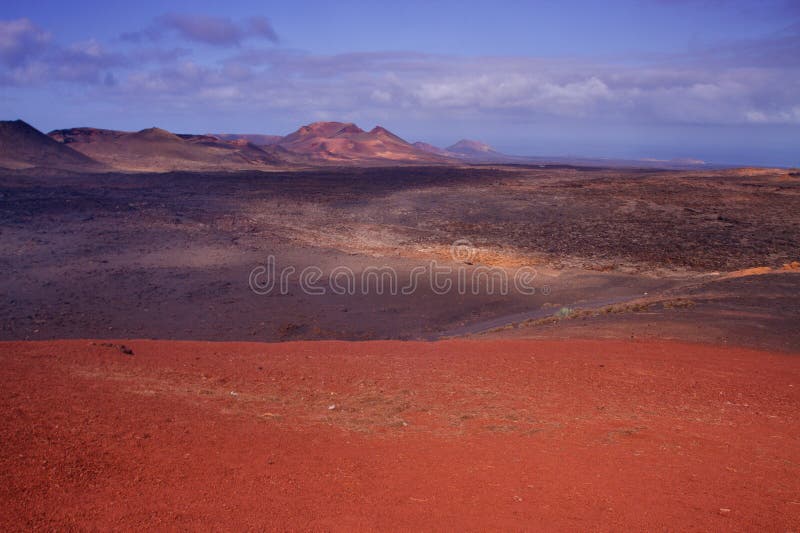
(476, 151)
(339, 142)
(23, 146)
(466, 146)
(155, 149)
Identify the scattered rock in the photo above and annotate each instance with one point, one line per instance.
(121, 347)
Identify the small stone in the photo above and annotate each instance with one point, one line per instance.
(331, 407)
(724, 511)
(124, 349)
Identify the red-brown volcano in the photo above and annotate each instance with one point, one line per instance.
(346, 142)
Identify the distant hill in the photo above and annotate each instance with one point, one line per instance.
(341, 142)
(154, 149)
(468, 151)
(23, 146)
(478, 152)
(468, 147)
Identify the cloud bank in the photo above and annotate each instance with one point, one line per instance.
(739, 82)
(215, 31)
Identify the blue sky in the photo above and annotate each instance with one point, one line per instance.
(710, 79)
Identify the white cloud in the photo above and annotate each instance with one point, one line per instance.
(695, 90)
(20, 40)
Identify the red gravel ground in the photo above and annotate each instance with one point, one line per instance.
(397, 435)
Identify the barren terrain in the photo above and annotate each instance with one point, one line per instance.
(373, 266)
(169, 255)
(650, 381)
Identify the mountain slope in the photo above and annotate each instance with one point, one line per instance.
(23, 146)
(155, 149)
(431, 149)
(258, 139)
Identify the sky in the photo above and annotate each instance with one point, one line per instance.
(717, 80)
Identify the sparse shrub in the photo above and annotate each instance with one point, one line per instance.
(564, 312)
(679, 303)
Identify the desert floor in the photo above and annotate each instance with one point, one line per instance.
(550, 435)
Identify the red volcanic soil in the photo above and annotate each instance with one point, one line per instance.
(547, 435)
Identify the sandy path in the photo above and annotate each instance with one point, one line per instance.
(396, 435)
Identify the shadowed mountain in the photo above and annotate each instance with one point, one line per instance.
(23, 146)
(256, 138)
(339, 142)
(157, 150)
(431, 149)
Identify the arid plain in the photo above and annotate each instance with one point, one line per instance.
(650, 376)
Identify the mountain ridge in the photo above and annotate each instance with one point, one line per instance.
(156, 149)
(316, 144)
